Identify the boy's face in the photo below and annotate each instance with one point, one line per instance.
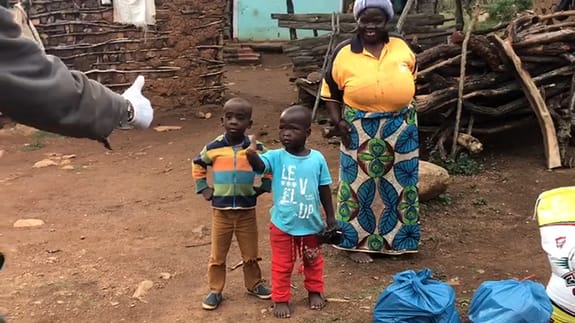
(237, 118)
(294, 130)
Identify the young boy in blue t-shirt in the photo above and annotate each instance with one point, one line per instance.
(300, 181)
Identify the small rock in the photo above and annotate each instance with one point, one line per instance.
(454, 281)
(45, 163)
(143, 289)
(21, 129)
(26, 223)
(263, 310)
(367, 308)
(71, 156)
(433, 181)
(114, 303)
(165, 276)
(480, 271)
(67, 167)
(60, 302)
(200, 115)
(65, 162)
(167, 128)
(201, 231)
(208, 115)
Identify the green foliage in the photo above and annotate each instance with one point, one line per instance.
(506, 10)
(38, 140)
(462, 164)
(444, 199)
(480, 201)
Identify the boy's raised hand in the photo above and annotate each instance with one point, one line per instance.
(253, 143)
(253, 157)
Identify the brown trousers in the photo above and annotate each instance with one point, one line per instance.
(224, 224)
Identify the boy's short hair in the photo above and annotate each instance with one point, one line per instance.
(304, 112)
(239, 101)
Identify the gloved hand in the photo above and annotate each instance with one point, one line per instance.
(143, 112)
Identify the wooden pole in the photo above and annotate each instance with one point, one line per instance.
(290, 10)
(401, 20)
(458, 15)
(462, 78)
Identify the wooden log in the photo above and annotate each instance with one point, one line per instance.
(161, 69)
(82, 11)
(547, 38)
(553, 49)
(436, 53)
(420, 19)
(537, 104)
(505, 109)
(108, 42)
(348, 27)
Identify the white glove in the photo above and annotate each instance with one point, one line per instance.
(143, 112)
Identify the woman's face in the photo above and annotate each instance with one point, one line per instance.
(371, 25)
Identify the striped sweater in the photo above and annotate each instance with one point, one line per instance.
(233, 177)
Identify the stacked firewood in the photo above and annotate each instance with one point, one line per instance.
(240, 54)
(516, 74)
(510, 74)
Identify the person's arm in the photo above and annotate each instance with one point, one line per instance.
(326, 202)
(266, 179)
(40, 91)
(332, 94)
(325, 193)
(199, 173)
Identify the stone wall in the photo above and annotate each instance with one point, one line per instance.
(181, 56)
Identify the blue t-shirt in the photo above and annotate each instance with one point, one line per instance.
(295, 190)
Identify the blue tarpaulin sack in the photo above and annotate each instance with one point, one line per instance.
(414, 297)
(510, 301)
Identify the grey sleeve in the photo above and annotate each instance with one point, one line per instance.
(40, 91)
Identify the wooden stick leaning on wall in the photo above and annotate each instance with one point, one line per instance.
(334, 33)
(476, 12)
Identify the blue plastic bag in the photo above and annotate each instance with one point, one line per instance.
(510, 301)
(414, 297)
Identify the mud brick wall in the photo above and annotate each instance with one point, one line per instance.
(181, 56)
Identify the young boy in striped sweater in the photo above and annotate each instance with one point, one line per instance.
(233, 198)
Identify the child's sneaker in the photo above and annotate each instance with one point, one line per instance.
(212, 301)
(261, 292)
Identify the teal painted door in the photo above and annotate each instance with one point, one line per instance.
(252, 18)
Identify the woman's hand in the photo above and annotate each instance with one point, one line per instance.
(344, 131)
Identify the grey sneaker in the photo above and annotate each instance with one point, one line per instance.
(212, 301)
(261, 292)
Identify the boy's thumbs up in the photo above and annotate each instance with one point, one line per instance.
(253, 143)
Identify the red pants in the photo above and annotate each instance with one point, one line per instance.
(285, 249)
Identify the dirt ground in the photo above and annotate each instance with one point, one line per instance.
(124, 216)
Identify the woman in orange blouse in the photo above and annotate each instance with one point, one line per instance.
(369, 90)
